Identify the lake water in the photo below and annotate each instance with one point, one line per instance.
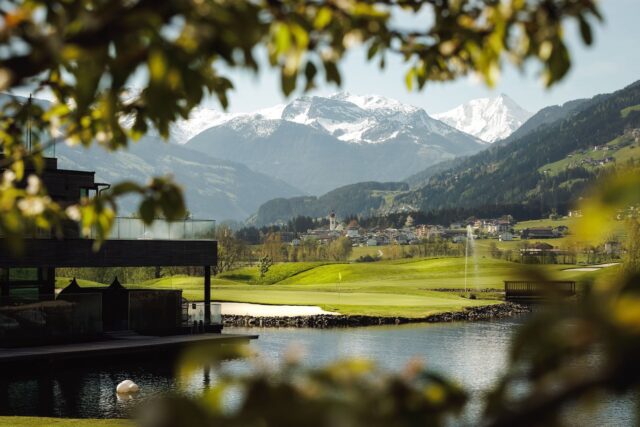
(474, 354)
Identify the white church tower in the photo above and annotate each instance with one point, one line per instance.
(332, 221)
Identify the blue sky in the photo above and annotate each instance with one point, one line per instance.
(612, 62)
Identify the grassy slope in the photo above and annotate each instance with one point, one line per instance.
(393, 288)
(275, 274)
(60, 422)
(537, 223)
(626, 111)
(62, 282)
(621, 155)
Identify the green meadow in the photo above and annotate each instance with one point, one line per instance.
(408, 287)
(61, 422)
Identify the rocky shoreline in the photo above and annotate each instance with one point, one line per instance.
(341, 321)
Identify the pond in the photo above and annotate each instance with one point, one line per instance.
(473, 353)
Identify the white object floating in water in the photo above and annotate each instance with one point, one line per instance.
(122, 397)
(126, 387)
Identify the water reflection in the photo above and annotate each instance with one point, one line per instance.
(474, 354)
(87, 392)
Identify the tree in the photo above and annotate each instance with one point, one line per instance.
(250, 235)
(87, 54)
(230, 249)
(273, 247)
(340, 249)
(265, 263)
(494, 250)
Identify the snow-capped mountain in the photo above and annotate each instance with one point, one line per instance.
(363, 119)
(351, 118)
(203, 118)
(199, 120)
(320, 143)
(490, 119)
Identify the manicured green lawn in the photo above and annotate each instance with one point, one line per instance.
(393, 288)
(275, 274)
(60, 422)
(407, 287)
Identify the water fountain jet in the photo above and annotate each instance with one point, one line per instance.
(469, 244)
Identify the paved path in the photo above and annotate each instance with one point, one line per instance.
(130, 345)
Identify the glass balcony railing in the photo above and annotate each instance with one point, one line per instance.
(136, 229)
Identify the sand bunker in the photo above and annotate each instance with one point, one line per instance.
(592, 267)
(263, 310)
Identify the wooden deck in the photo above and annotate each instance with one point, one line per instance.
(121, 346)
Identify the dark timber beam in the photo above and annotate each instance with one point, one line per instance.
(51, 253)
(207, 294)
(4, 283)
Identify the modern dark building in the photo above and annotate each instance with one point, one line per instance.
(538, 233)
(30, 310)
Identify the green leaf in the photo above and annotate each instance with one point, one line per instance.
(282, 38)
(331, 72)
(373, 49)
(157, 66)
(147, 211)
(310, 72)
(125, 187)
(323, 18)
(409, 77)
(585, 31)
(288, 82)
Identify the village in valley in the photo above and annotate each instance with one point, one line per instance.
(545, 241)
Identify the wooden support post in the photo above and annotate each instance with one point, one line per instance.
(4, 283)
(47, 282)
(207, 294)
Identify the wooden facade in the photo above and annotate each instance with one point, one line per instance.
(532, 291)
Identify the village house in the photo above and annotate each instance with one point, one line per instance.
(496, 227)
(435, 232)
(353, 230)
(422, 231)
(538, 233)
(544, 253)
(505, 236)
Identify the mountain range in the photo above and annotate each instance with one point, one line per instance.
(546, 164)
(520, 171)
(213, 188)
(321, 143)
(230, 164)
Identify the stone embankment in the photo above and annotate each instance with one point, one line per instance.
(338, 321)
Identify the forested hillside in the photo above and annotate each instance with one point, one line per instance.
(515, 172)
(365, 198)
